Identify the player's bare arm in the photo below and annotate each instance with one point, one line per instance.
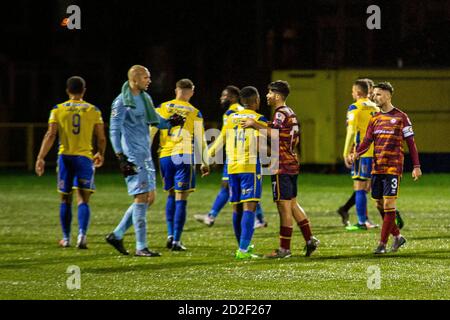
(47, 143)
(99, 157)
(251, 123)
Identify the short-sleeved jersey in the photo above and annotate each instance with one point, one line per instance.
(285, 120)
(179, 139)
(242, 144)
(358, 117)
(232, 109)
(76, 121)
(219, 141)
(387, 131)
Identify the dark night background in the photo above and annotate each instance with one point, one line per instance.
(215, 43)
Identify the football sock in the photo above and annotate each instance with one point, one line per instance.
(84, 214)
(285, 237)
(124, 224)
(140, 224)
(247, 227)
(65, 217)
(305, 229)
(259, 213)
(350, 202)
(170, 214)
(395, 230)
(180, 219)
(237, 217)
(361, 206)
(388, 224)
(220, 202)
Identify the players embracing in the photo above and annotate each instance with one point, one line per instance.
(284, 179)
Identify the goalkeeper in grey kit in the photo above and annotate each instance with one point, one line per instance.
(131, 114)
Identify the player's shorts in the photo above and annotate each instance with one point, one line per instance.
(180, 177)
(284, 186)
(144, 181)
(75, 172)
(225, 172)
(362, 168)
(385, 186)
(245, 187)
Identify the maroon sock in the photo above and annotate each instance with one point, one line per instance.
(388, 224)
(305, 229)
(395, 230)
(285, 237)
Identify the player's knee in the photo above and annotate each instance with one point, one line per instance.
(66, 198)
(380, 205)
(151, 198)
(141, 198)
(389, 203)
(224, 184)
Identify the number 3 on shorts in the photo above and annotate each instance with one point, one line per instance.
(394, 184)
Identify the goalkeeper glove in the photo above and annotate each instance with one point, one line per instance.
(176, 120)
(126, 167)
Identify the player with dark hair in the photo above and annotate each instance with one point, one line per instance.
(284, 179)
(76, 122)
(244, 169)
(179, 144)
(358, 117)
(229, 100)
(387, 130)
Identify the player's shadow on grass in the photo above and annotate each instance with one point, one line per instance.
(329, 230)
(442, 254)
(430, 237)
(55, 260)
(155, 264)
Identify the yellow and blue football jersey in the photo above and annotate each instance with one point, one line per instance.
(76, 121)
(241, 144)
(358, 117)
(179, 139)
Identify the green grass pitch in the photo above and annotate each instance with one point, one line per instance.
(32, 266)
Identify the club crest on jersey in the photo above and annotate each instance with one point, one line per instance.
(280, 116)
(393, 121)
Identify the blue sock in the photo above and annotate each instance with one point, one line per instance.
(361, 206)
(259, 213)
(180, 219)
(140, 224)
(247, 225)
(124, 224)
(220, 202)
(65, 217)
(237, 218)
(84, 214)
(170, 214)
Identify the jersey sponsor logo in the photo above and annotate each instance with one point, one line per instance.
(280, 116)
(243, 115)
(393, 120)
(384, 132)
